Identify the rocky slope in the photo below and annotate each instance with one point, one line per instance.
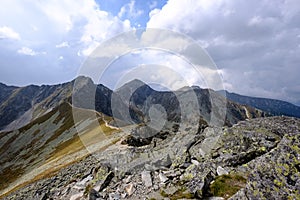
(255, 159)
(49, 143)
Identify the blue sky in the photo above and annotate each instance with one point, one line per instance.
(255, 44)
(139, 13)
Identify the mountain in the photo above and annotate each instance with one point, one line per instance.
(141, 96)
(20, 105)
(47, 128)
(272, 106)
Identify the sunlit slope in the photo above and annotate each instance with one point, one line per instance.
(51, 142)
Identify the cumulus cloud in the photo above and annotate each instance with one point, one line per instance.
(29, 52)
(130, 11)
(254, 43)
(64, 29)
(8, 33)
(62, 45)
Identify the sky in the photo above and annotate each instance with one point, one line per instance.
(255, 45)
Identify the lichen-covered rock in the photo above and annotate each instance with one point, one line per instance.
(198, 177)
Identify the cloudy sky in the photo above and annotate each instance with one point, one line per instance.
(254, 44)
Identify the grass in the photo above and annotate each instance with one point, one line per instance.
(45, 174)
(9, 175)
(227, 185)
(95, 132)
(181, 193)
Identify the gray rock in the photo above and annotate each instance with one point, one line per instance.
(215, 198)
(195, 162)
(114, 196)
(76, 196)
(240, 195)
(146, 178)
(221, 171)
(93, 195)
(162, 178)
(103, 181)
(197, 178)
(172, 173)
(129, 189)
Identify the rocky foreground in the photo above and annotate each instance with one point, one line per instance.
(255, 159)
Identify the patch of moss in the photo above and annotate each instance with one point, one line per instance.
(278, 183)
(87, 190)
(227, 185)
(262, 149)
(181, 193)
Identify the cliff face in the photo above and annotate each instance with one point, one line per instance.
(255, 159)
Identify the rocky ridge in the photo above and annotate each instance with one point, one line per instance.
(254, 159)
(21, 105)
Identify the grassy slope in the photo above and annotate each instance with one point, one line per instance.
(62, 151)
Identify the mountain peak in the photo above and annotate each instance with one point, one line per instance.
(83, 79)
(133, 85)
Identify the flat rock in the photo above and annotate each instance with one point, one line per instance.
(146, 178)
(162, 178)
(221, 171)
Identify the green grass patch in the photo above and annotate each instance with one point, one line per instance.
(181, 193)
(227, 185)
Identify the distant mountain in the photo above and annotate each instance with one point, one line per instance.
(141, 96)
(130, 103)
(21, 105)
(272, 106)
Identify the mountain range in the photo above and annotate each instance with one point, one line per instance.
(272, 106)
(47, 128)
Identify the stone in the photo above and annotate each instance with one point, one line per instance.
(76, 196)
(129, 189)
(127, 180)
(240, 195)
(197, 178)
(82, 184)
(195, 162)
(114, 196)
(146, 178)
(221, 171)
(172, 173)
(162, 178)
(103, 182)
(93, 195)
(215, 198)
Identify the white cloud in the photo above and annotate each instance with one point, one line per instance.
(130, 11)
(154, 12)
(260, 37)
(255, 20)
(63, 28)
(62, 45)
(8, 33)
(29, 52)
